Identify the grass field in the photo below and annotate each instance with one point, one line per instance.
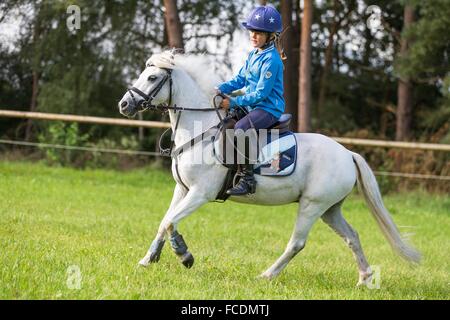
(55, 221)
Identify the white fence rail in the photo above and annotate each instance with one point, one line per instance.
(393, 144)
(157, 124)
(82, 119)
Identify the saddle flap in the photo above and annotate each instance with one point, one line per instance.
(278, 157)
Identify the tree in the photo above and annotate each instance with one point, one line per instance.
(426, 65)
(341, 12)
(305, 69)
(405, 103)
(174, 28)
(35, 68)
(290, 44)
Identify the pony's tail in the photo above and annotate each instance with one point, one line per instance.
(367, 185)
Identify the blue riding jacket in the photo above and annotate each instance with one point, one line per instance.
(262, 77)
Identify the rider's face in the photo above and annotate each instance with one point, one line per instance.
(257, 38)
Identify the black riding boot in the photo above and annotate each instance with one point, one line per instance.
(247, 183)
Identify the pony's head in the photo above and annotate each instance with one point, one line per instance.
(194, 78)
(153, 87)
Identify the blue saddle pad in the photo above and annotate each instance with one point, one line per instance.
(278, 157)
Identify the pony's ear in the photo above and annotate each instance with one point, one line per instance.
(163, 60)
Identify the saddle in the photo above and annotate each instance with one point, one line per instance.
(276, 154)
(283, 123)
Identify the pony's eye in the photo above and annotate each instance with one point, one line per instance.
(152, 78)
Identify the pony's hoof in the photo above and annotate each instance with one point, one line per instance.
(187, 260)
(266, 276)
(361, 284)
(144, 262)
(150, 257)
(364, 281)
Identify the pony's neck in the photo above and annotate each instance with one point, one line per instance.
(187, 94)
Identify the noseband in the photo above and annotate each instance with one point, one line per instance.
(148, 98)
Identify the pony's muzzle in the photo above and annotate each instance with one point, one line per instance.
(127, 108)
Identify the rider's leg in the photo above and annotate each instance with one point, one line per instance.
(256, 119)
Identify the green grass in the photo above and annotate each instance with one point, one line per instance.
(103, 222)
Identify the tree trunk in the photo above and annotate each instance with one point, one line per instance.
(33, 104)
(174, 29)
(305, 69)
(328, 61)
(290, 79)
(404, 91)
(326, 68)
(35, 77)
(336, 25)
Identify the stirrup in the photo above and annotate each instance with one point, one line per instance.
(246, 185)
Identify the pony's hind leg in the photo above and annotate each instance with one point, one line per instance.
(333, 218)
(309, 212)
(154, 252)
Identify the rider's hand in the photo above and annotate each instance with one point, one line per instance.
(225, 104)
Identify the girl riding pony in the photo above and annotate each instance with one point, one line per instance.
(262, 78)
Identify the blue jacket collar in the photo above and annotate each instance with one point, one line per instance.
(269, 48)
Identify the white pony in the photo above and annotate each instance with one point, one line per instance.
(324, 175)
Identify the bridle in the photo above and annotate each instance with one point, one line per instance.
(147, 104)
(148, 98)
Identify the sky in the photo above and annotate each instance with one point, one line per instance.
(10, 28)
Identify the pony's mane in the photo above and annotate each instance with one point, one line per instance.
(200, 68)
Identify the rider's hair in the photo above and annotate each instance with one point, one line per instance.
(276, 37)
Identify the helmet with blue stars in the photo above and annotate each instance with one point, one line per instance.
(265, 18)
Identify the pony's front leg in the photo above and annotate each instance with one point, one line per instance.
(193, 200)
(154, 252)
